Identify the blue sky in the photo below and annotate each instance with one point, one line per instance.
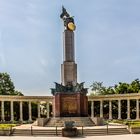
(107, 41)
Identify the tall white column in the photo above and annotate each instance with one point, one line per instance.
(128, 109)
(48, 110)
(92, 109)
(12, 111)
(101, 108)
(137, 109)
(30, 111)
(119, 109)
(38, 108)
(110, 109)
(2, 111)
(21, 112)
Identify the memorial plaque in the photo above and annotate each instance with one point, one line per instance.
(69, 105)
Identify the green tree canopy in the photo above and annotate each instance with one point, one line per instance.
(120, 88)
(97, 87)
(7, 86)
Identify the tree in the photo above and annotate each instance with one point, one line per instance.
(122, 88)
(98, 88)
(7, 86)
(135, 86)
(18, 93)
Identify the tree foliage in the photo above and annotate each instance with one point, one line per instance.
(7, 86)
(120, 88)
(97, 87)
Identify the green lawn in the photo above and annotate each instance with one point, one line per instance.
(6, 126)
(131, 123)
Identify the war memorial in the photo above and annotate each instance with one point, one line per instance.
(69, 97)
(69, 100)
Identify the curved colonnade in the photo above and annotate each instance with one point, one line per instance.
(49, 99)
(21, 100)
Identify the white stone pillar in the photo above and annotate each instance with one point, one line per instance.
(30, 111)
(137, 109)
(110, 109)
(38, 108)
(12, 111)
(92, 109)
(101, 108)
(2, 111)
(128, 109)
(48, 110)
(21, 112)
(119, 109)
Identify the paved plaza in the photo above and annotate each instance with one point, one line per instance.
(111, 137)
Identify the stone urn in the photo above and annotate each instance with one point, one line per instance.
(69, 130)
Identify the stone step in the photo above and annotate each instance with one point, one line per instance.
(79, 121)
(47, 132)
(86, 132)
(4, 132)
(21, 132)
(36, 132)
(111, 131)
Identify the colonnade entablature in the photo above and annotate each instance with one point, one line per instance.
(131, 96)
(26, 98)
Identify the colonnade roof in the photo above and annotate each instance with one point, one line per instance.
(90, 98)
(26, 98)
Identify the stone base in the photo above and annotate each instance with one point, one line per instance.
(42, 121)
(70, 105)
(69, 132)
(135, 130)
(98, 121)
